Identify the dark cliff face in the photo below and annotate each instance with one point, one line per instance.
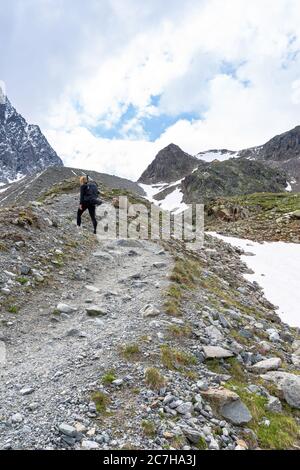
(280, 148)
(170, 164)
(24, 150)
(231, 177)
(283, 152)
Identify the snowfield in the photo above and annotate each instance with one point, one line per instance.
(276, 267)
(172, 202)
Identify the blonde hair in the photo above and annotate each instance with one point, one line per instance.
(83, 179)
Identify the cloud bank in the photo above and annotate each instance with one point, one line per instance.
(112, 82)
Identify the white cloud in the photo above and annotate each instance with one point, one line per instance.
(233, 64)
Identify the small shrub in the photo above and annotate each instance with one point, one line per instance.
(173, 358)
(154, 378)
(22, 280)
(149, 428)
(131, 351)
(108, 377)
(13, 309)
(101, 401)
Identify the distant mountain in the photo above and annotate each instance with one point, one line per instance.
(176, 178)
(170, 164)
(282, 151)
(231, 177)
(24, 150)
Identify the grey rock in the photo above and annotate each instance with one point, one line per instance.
(26, 390)
(274, 405)
(192, 435)
(289, 384)
(89, 445)
(95, 311)
(273, 363)
(216, 352)
(17, 418)
(149, 311)
(67, 430)
(64, 308)
(185, 408)
(236, 412)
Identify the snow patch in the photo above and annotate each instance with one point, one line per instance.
(276, 270)
(172, 202)
(288, 187)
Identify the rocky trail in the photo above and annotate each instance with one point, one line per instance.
(134, 344)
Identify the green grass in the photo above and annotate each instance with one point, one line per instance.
(184, 277)
(283, 431)
(149, 428)
(174, 359)
(22, 280)
(101, 401)
(278, 202)
(131, 351)
(236, 371)
(201, 444)
(108, 377)
(177, 331)
(3, 247)
(154, 378)
(13, 309)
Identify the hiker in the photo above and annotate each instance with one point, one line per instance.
(88, 200)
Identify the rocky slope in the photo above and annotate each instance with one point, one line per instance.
(133, 344)
(229, 178)
(199, 181)
(24, 150)
(260, 217)
(272, 167)
(282, 151)
(60, 179)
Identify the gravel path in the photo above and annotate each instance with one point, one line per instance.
(53, 360)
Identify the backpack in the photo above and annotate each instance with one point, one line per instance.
(91, 194)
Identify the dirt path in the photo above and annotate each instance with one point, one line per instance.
(53, 361)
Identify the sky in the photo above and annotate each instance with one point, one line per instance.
(111, 82)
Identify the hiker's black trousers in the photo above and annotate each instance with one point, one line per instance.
(92, 211)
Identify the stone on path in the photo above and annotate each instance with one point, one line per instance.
(64, 308)
(67, 430)
(149, 311)
(95, 311)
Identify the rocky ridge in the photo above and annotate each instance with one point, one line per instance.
(24, 150)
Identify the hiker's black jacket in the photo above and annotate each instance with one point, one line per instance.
(89, 193)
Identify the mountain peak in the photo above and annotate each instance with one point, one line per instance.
(24, 150)
(170, 164)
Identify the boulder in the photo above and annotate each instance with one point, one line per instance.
(216, 352)
(273, 363)
(236, 412)
(229, 405)
(213, 333)
(288, 383)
